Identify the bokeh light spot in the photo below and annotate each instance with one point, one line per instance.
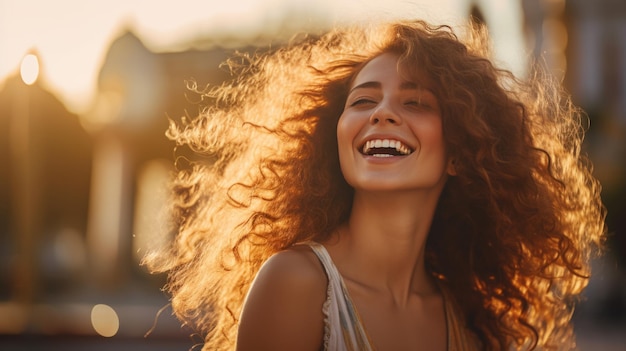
(29, 69)
(104, 320)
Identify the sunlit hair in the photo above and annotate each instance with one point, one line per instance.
(514, 229)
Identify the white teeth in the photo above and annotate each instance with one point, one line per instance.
(386, 143)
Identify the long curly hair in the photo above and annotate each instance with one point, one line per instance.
(514, 229)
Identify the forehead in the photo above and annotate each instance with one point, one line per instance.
(386, 68)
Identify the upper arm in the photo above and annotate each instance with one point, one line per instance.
(283, 309)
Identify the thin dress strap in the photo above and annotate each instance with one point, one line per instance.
(343, 330)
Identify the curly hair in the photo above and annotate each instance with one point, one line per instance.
(513, 231)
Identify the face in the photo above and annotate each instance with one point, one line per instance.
(390, 133)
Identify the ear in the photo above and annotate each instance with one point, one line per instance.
(451, 169)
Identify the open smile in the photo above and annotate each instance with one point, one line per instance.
(385, 148)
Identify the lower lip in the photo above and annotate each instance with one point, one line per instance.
(383, 160)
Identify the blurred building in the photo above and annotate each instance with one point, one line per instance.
(138, 93)
(80, 194)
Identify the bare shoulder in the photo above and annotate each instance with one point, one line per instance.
(296, 266)
(283, 309)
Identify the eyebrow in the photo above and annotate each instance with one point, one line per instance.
(378, 85)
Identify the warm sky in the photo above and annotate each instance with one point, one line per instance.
(71, 36)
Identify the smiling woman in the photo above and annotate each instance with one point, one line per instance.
(386, 106)
(382, 187)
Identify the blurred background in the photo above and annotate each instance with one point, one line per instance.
(86, 90)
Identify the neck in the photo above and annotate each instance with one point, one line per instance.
(383, 243)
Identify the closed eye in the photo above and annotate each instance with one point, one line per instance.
(362, 101)
(417, 103)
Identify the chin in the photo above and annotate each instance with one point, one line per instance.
(377, 186)
(391, 185)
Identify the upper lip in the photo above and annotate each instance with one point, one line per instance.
(386, 141)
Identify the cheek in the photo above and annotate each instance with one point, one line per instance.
(345, 133)
(345, 136)
(430, 132)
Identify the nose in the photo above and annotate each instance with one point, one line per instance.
(385, 113)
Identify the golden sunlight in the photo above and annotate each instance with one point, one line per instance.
(73, 51)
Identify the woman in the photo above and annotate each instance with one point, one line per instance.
(386, 188)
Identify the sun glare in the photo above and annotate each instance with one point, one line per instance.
(29, 69)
